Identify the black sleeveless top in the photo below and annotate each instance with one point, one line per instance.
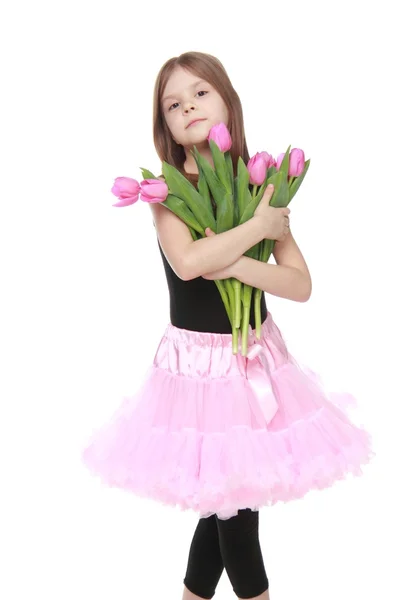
(197, 305)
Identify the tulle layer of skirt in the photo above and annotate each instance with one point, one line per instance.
(216, 432)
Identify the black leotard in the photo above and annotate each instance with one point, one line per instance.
(197, 305)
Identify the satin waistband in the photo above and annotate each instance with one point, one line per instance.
(205, 338)
(208, 356)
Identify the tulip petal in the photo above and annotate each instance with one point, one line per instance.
(154, 188)
(127, 201)
(279, 160)
(257, 167)
(150, 199)
(220, 135)
(269, 159)
(125, 186)
(296, 162)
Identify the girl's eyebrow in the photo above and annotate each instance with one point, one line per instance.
(190, 87)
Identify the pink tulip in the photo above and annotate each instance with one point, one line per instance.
(257, 168)
(127, 190)
(153, 190)
(279, 160)
(271, 162)
(221, 136)
(296, 162)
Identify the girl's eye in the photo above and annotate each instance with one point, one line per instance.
(201, 92)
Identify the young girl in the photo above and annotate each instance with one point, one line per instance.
(208, 430)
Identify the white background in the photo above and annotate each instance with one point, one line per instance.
(84, 298)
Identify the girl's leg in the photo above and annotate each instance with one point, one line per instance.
(241, 554)
(205, 565)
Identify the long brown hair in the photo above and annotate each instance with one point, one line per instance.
(210, 69)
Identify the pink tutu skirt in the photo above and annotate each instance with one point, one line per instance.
(216, 432)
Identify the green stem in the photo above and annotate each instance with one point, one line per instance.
(231, 294)
(236, 309)
(257, 293)
(266, 249)
(247, 292)
(254, 191)
(225, 299)
(235, 339)
(236, 284)
(245, 328)
(257, 311)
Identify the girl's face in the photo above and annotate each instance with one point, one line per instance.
(187, 97)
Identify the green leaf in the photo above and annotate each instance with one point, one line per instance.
(235, 201)
(254, 251)
(202, 185)
(147, 174)
(193, 234)
(262, 189)
(280, 198)
(229, 166)
(276, 179)
(179, 186)
(179, 208)
(284, 168)
(216, 188)
(296, 183)
(266, 251)
(220, 166)
(243, 193)
(225, 213)
(248, 212)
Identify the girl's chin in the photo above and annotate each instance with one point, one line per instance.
(200, 140)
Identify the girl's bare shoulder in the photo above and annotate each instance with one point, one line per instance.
(173, 234)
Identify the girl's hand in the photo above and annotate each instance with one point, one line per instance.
(275, 221)
(224, 273)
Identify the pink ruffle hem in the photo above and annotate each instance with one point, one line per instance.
(215, 432)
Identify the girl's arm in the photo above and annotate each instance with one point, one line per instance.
(190, 259)
(289, 278)
(223, 250)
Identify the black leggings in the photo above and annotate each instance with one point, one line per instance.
(232, 544)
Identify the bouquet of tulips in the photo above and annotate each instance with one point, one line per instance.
(236, 198)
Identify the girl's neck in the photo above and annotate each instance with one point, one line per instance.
(190, 165)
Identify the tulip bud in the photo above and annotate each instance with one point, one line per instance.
(257, 168)
(127, 190)
(270, 160)
(221, 136)
(153, 190)
(296, 162)
(279, 160)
